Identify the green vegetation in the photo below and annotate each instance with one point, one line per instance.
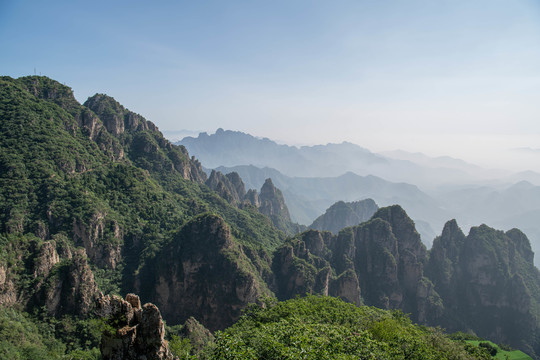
(99, 177)
(54, 176)
(316, 327)
(68, 175)
(498, 352)
(25, 338)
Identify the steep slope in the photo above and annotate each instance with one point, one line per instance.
(204, 273)
(381, 261)
(88, 202)
(488, 283)
(485, 282)
(342, 215)
(269, 201)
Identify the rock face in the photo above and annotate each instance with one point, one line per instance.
(91, 236)
(273, 203)
(342, 215)
(253, 198)
(380, 261)
(58, 278)
(269, 202)
(115, 117)
(138, 332)
(203, 273)
(68, 287)
(230, 186)
(480, 278)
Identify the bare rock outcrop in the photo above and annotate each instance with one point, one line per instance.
(137, 332)
(102, 248)
(481, 280)
(379, 262)
(70, 287)
(203, 273)
(304, 265)
(230, 186)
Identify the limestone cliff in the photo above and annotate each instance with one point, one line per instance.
(272, 204)
(380, 261)
(345, 214)
(203, 273)
(230, 186)
(68, 287)
(57, 278)
(488, 283)
(136, 332)
(103, 251)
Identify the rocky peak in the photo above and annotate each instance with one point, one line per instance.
(70, 287)
(521, 244)
(452, 238)
(147, 147)
(272, 202)
(203, 273)
(485, 270)
(253, 198)
(115, 117)
(237, 183)
(138, 332)
(404, 230)
(341, 215)
(230, 186)
(445, 252)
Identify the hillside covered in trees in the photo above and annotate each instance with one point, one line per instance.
(94, 202)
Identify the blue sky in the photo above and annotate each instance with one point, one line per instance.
(459, 77)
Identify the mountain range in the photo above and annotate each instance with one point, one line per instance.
(233, 148)
(97, 206)
(431, 190)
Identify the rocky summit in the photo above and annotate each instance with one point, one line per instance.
(136, 332)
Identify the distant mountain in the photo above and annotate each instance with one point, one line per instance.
(342, 215)
(233, 148)
(471, 171)
(530, 176)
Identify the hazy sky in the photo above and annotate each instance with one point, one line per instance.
(458, 77)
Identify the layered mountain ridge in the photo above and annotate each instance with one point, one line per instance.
(95, 201)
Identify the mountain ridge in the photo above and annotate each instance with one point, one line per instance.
(91, 206)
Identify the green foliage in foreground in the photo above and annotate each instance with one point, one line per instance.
(501, 352)
(327, 328)
(25, 338)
